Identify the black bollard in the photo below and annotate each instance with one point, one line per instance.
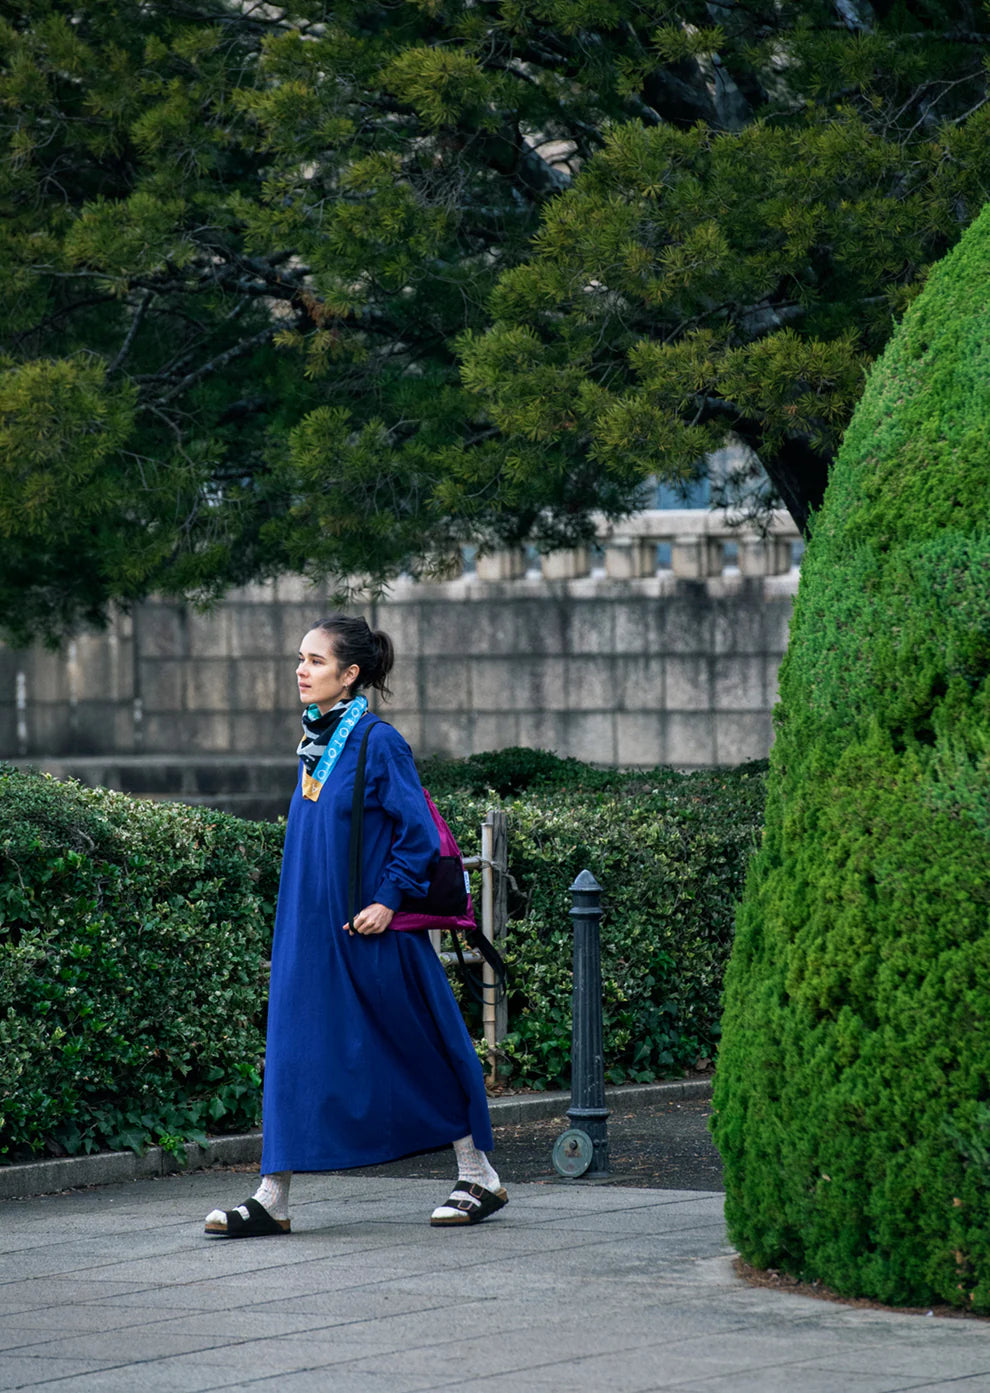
(588, 1111)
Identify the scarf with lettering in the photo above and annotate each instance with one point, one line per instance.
(317, 733)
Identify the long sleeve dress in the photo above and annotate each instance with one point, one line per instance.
(368, 1057)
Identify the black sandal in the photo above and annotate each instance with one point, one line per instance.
(258, 1224)
(473, 1203)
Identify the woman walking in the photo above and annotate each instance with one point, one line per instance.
(367, 1057)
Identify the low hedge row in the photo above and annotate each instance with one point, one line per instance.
(133, 943)
(670, 852)
(134, 938)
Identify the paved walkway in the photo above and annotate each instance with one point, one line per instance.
(572, 1287)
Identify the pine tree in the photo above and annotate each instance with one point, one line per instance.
(732, 270)
(242, 249)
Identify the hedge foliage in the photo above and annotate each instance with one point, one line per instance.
(670, 852)
(853, 1092)
(133, 945)
(134, 938)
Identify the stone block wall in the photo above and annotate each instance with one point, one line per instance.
(641, 671)
(630, 664)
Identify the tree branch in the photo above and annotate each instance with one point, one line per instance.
(221, 361)
(798, 472)
(958, 120)
(962, 36)
(56, 315)
(136, 319)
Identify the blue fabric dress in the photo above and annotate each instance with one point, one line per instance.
(368, 1057)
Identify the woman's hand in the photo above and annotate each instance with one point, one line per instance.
(373, 919)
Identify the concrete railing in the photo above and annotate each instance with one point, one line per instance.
(659, 644)
(699, 544)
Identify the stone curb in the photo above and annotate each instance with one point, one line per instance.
(116, 1167)
(530, 1107)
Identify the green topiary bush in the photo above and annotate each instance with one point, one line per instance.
(854, 1078)
(670, 851)
(133, 946)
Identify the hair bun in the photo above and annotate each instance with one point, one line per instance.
(354, 644)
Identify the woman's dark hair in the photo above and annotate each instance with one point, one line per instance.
(372, 652)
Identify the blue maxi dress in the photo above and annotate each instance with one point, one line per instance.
(368, 1057)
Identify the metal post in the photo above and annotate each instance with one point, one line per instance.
(500, 908)
(487, 928)
(492, 910)
(494, 835)
(588, 1111)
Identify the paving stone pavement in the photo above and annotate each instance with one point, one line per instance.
(597, 1287)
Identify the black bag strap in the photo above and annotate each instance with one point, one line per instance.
(356, 856)
(477, 940)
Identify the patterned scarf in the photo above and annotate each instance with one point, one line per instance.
(318, 732)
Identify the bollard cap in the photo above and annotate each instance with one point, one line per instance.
(586, 884)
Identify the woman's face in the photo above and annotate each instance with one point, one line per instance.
(321, 679)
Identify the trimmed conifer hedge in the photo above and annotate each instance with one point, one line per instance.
(853, 1089)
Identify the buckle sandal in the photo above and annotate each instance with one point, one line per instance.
(473, 1203)
(258, 1224)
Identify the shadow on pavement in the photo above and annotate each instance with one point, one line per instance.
(666, 1146)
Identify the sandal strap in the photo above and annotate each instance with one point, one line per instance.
(259, 1221)
(475, 1202)
(471, 1200)
(471, 1196)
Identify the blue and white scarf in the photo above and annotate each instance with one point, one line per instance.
(324, 739)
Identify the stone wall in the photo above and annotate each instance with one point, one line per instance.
(639, 670)
(631, 673)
